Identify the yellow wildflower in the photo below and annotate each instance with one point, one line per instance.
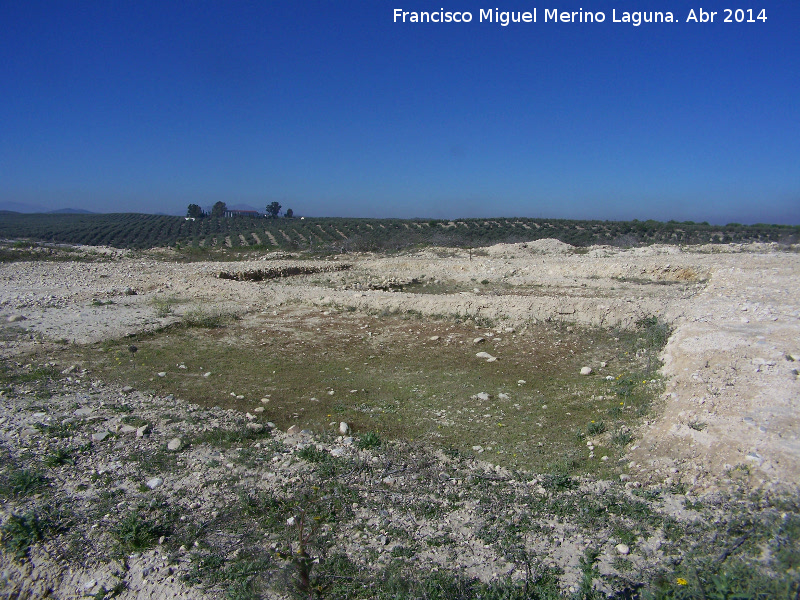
(682, 581)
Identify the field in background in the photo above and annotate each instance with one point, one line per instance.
(204, 237)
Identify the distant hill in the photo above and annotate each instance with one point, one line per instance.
(22, 207)
(71, 211)
(245, 207)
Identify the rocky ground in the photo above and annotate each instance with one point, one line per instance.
(109, 490)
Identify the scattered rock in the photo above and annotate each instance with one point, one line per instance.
(622, 549)
(142, 431)
(69, 370)
(154, 482)
(586, 370)
(257, 427)
(344, 428)
(293, 430)
(434, 338)
(486, 355)
(16, 318)
(100, 436)
(479, 340)
(175, 444)
(127, 389)
(162, 373)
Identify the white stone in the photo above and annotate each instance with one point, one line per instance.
(622, 549)
(586, 370)
(162, 373)
(154, 482)
(344, 428)
(175, 444)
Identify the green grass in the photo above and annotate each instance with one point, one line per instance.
(22, 482)
(397, 384)
(20, 532)
(135, 533)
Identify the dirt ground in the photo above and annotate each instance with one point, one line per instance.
(731, 362)
(728, 415)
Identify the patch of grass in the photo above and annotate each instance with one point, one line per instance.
(205, 319)
(368, 440)
(9, 376)
(226, 438)
(22, 482)
(20, 532)
(389, 376)
(623, 437)
(135, 421)
(61, 430)
(58, 457)
(164, 306)
(314, 455)
(595, 427)
(134, 533)
(697, 425)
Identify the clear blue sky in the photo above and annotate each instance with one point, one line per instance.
(333, 109)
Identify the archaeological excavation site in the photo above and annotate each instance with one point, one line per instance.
(510, 421)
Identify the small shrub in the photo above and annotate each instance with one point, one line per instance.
(199, 317)
(368, 440)
(24, 483)
(622, 438)
(163, 306)
(20, 532)
(595, 427)
(135, 533)
(59, 457)
(312, 454)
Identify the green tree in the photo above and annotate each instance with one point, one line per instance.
(194, 211)
(273, 209)
(289, 213)
(219, 208)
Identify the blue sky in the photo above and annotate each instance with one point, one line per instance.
(333, 109)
